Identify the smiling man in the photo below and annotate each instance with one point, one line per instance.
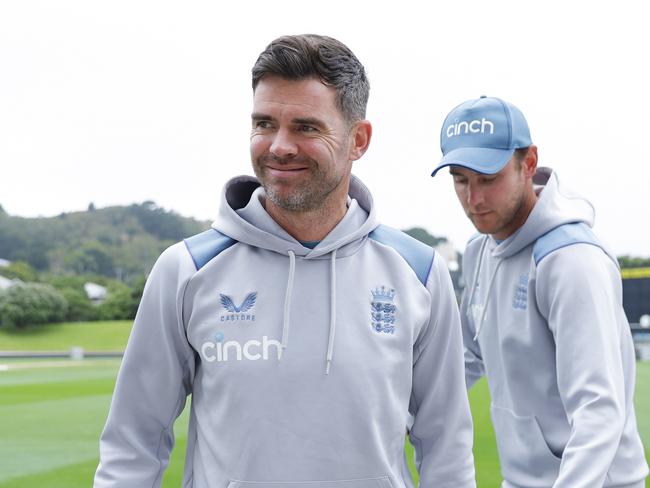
(305, 331)
(542, 312)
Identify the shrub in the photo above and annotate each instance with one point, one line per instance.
(80, 308)
(19, 270)
(30, 304)
(119, 303)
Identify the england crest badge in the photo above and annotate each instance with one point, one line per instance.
(382, 310)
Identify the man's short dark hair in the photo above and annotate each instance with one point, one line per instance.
(313, 56)
(519, 155)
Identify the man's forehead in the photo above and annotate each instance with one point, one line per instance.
(275, 96)
(456, 169)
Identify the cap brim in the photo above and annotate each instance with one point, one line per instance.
(480, 159)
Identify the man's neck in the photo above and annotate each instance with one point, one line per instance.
(311, 225)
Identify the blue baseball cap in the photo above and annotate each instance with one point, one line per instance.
(482, 135)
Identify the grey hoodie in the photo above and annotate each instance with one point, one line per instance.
(542, 318)
(304, 365)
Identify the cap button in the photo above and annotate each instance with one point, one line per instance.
(483, 96)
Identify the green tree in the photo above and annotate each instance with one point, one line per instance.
(31, 304)
(91, 257)
(423, 236)
(21, 270)
(80, 308)
(633, 262)
(120, 303)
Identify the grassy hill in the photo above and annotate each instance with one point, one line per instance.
(119, 242)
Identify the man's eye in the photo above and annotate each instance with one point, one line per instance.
(262, 124)
(460, 180)
(307, 128)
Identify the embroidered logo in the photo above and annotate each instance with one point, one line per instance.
(239, 313)
(520, 299)
(382, 310)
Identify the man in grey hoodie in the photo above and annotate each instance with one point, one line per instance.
(542, 312)
(308, 335)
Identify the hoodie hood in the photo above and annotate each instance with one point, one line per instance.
(555, 206)
(243, 217)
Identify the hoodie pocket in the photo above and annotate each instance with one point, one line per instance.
(524, 454)
(382, 482)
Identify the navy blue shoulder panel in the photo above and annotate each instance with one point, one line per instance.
(206, 245)
(418, 255)
(562, 236)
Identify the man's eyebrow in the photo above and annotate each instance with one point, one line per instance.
(308, 121)
(260, 116)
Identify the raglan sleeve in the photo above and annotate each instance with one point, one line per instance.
(578, 290)
(153, 382)
(442, 425)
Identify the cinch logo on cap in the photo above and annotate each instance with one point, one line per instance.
(482, 135)
(473, 127)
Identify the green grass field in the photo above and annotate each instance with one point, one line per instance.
(92, 336)
(52, 412)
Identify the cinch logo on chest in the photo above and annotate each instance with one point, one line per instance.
(243, 313)
(253, 350)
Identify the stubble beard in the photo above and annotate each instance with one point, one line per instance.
(306, 196)
(512, 215)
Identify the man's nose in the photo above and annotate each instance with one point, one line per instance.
(283, 145)
(475, 195)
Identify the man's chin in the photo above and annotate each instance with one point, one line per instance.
(285, 201)
(483, 227)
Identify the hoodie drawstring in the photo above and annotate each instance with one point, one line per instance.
(487, 295)
(479, 324)
(287, 307)
(332, 332)
(287, 300)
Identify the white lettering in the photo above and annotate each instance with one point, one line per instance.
(473, 126)
(267, 343)
(460, 125)
(204, 350)
(231, 344)
(235, 351)
(485, 122)
(247, 353)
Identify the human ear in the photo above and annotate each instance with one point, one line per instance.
(530, 161)
(360, 136)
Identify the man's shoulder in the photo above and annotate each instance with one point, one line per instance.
(417, 254)
(205, 246)
(564, 236)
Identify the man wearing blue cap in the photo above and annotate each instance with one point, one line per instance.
(542, 312)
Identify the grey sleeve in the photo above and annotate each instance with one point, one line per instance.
(577, 292)
(153, 382)
(442, 425)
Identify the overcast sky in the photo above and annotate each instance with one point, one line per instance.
(125, 101)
